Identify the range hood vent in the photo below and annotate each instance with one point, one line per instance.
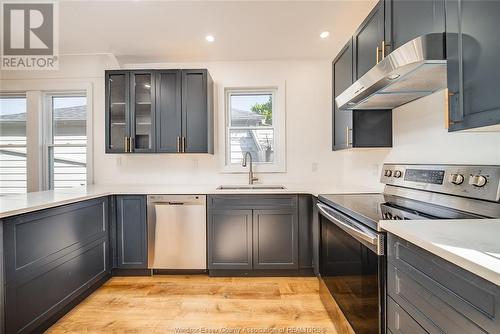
(414, 70)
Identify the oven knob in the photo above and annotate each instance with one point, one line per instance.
(398, 174)
(387, 215)
(457, 179)
(477, 180)
(388, 172)
(397, 218)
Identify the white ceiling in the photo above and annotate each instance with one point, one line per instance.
(174, 31)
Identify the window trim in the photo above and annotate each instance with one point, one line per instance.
(279, 121)
(47, 138)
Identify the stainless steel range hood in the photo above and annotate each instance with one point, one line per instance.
(414, 70)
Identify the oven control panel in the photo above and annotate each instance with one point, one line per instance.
(481, 182)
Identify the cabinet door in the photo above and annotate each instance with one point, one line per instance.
(341, 79)
(473, 47)
(168, 111)
(142, 110)
(230, 239)
(196, 112)
(275, 239)
(366, 39)
(117, 111)
(408, 19)
(131, 229)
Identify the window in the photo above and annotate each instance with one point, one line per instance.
(13, 168)
(66, 141)
(255, 125)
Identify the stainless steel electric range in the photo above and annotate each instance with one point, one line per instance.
(352, 245)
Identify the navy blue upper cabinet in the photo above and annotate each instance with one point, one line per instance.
(367, 41)
(341, 78)
(473, 50)
(408, 19)
(130, 111)
(359, 128)
(164, 111)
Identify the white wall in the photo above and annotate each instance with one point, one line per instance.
(419, 134)
(308, 134)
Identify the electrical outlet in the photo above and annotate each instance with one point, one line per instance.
(375, 170)
(195, 163)
(118, 161)
(314, 167)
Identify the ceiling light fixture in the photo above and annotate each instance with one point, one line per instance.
(210, 38)
(324, 34)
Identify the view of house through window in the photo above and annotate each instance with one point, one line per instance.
(67, 145)
(251, 126)
(13, 172)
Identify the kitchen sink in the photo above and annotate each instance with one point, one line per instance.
(250, 187)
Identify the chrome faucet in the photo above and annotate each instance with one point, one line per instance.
(251, 177)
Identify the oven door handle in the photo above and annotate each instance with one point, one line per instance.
(372, 239)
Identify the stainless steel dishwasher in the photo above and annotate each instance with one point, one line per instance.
(177, 232)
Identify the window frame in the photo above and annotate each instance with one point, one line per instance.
(47, 135)
(278, 126)
(18, 95)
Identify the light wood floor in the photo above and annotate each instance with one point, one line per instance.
(199, 304)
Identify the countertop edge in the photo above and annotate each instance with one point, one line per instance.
(13, 206)
(15, 212)
(473, 267)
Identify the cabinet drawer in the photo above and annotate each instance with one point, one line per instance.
(252, 202)
(33, 302)
(448, 296)
(400, 322)
(33, 242)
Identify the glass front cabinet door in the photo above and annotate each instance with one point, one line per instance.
(142, 111)
(130, 114)
(117, 113)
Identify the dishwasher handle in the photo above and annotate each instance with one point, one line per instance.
(170, 203)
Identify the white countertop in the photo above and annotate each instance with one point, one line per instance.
(473, 244)
(18, 204)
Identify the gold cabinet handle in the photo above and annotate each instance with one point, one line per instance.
(383, 49)
(131, 144)
(183, 144)
(178, 144)
(125, 144)
(347, 130)
(378, 55)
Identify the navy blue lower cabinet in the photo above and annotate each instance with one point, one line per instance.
(439, 296)
(2, 280)
(257, 235)
(131, 228)
(53, 259)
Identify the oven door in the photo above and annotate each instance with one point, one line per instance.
(352, 266)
